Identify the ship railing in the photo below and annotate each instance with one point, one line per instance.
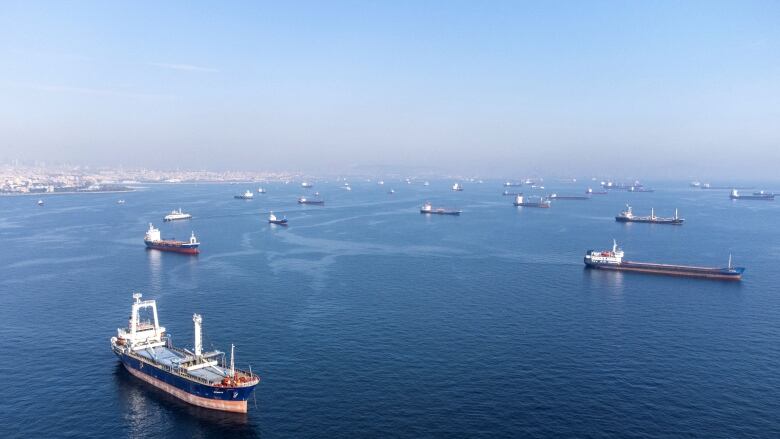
(178, 371)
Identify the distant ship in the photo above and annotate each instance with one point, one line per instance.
(627, 216)
(514, 194)
(380, 182)
(537, 202)
(261, 190)
(695, 184)
(613, 260)
(304, 200)
(248, 195)
(590, 191)
(274, 220)
(555, 196)
(177, 215)
(391, 192)
(512, 184)
(761, 195)
(40, 202)
(306, 184)
(457, 187)
(120, 202)
(200, 378)
(426, 183)
(154, 241)
(428, 208)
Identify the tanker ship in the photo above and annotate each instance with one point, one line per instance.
(761, 195)
(428, 208)
(627, 216)
(196, 377)
(613, 260)
(153, 240)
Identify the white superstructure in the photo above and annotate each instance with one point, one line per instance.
(153, 234)
(427, 207)
(457, 187)
(614, 257)
(142, 334)
(177, 215)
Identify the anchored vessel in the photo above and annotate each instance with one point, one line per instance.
(627, 216)
(760, 195)
(199, 378)
(177, 215)
(306, 184)
(613, 260)
(248, 195)
(304, 200)
(153, 240)
(261, 190)
(40, 202)
(512, 184)
(457, 187)
(273, 219)
(540, 202)
(429, 209)
(513, 194)
(590, 191)
(567, 197)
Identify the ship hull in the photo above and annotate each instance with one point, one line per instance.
(570, 197)
(313, 203)
(676, 222)
(540, 205)
(440, 212)
(229, 399)
(753, 197)
(185, 248)
(278, 222)
(671, 270)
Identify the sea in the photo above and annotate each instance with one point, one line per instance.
(365, 318)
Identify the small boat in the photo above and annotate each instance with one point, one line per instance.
(426, 183)
(391, 192)
(512, 184)
(248, 195)
(590, 191)
(177, 215)
(513, 194)
(347, 188)
(306, 185)
(304, 200)
(428, 208)
(457, 187)
(696, 184)
(120, 202)
(274, 220)
(40, 202)
(380, 182)
(261, 190)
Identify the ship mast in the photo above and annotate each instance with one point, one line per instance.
(232, 361)
(197, 319)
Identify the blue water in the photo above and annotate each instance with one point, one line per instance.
(365, 318)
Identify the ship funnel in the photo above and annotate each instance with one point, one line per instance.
(197, 319)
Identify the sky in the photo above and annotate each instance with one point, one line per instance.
(672, 89)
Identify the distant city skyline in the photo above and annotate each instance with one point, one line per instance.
(652, 90)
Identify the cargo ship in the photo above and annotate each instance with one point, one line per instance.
(200, 378)
(428, 208)
(590, 191)
(154, 241)
(522, 202)
(304, 200)
(273, 219)
(177, 215)
(761, 195)
(512, 184)
(613, 260)
(627, 216)
(457, 187)
(555, 196)
(248, 195)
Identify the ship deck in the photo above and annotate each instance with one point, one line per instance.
(172, 358)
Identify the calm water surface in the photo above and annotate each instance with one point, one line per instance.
(365, 318)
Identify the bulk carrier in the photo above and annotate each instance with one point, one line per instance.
(761, 195)
(153, 240)
(428, 208)
(627, 216)
(613, 260)
(199, 378)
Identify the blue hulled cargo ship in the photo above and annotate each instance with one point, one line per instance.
(199, 378)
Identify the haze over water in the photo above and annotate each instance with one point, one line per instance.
(365, 318)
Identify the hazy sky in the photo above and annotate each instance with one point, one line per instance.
(632, 87)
